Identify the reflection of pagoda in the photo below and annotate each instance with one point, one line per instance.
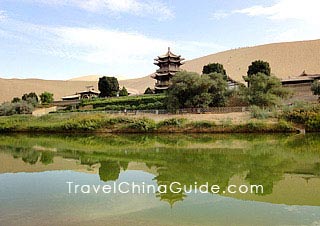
(169, 64)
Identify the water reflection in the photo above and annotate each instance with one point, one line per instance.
(278, 162)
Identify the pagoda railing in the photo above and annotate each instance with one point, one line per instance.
(166, 69)
(161, 84)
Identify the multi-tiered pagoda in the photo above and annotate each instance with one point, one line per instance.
(169, 64)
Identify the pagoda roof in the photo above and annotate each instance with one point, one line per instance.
(169, 54)
(157, 74)
(159, 61)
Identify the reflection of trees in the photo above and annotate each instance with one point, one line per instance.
(262, 159)
(266, 170)
(30, 157)
(27, 155)
(124, 165)
(47, 157)
(109, 171)
(188, 168)
(169, 196)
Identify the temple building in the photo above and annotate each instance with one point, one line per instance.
(301, 87)
(169, 64)
(86, 94)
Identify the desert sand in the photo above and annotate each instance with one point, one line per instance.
(286, 60)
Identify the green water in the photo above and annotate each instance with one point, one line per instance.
(34, 171)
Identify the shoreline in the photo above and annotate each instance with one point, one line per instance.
(108, 124)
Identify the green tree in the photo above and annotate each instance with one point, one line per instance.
(214, 68)
(46, 98)
(31, 98)
(148, 91)
(259, 66)
(218, 89)
(189, 90)
(123, 92)
(315, 88)
(108, 86)
(264, 90)
(16, 100)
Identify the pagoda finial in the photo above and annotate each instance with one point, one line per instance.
(168, 49)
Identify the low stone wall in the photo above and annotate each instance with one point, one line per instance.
(43, 111)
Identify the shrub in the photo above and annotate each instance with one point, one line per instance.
(84, 123)
(31, 98)
(123, 92)
(259, 113)
(46, 98)
(178, 122)
(284, 126)
(203, 124)
(256, 126)
(22, 107)
(143, 125)
(119, 120)
(309, 116)
(313, 123)
(15, 100)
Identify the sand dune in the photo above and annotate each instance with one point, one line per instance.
(17, 87)
(286, 60)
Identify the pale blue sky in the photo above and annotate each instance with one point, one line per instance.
(61, 39)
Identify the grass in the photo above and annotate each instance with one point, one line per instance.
(73, 123)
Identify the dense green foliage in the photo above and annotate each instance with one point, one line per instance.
(16, 100)
(264, 90)
(22, 107)
(190, 90)
(143, 125)
(315, 88)
(214, 68)
(259, 66)
(108, 86)
(31, 98)
(46, 98)
(144, 102)
(309, 116)
(176, 122)
(218, 90)
(25, 105)
(123, 92)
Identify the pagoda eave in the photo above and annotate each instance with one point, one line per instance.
(164, 74)
(168, 61)
(161, 87)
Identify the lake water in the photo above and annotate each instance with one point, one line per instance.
(34, 171)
